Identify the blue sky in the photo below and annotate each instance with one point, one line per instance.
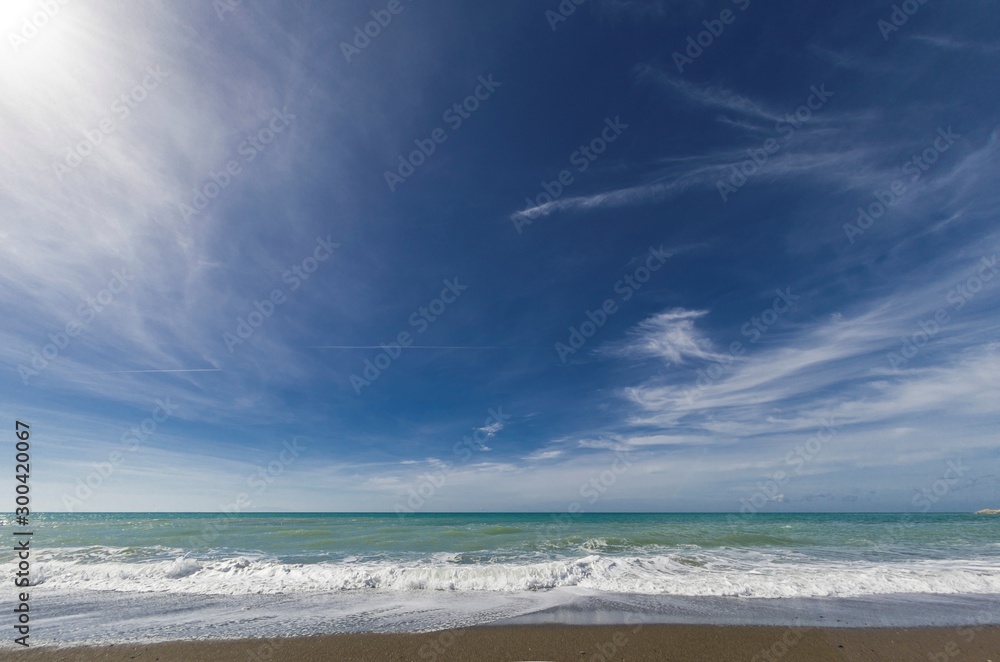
(674, 256)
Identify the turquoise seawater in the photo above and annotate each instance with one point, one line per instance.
(322, 572)
(498, 537)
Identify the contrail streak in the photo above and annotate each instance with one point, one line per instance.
(401, 347)
(118, 372)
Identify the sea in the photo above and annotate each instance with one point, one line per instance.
(127, 577)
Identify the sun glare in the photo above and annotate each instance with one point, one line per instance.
(38, 36)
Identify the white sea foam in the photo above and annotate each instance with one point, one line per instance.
(720, 573)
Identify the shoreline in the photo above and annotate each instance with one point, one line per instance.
(565, 642)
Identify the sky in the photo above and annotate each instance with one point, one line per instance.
(413, 256)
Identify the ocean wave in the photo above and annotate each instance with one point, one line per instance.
(750, 575)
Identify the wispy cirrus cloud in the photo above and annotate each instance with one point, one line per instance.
(950, 43)
(840, 368)
(671, 336)
(815, 149)
(705, 96)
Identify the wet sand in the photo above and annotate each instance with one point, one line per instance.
(567, 643)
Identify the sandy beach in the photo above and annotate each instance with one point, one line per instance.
(569, 643)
